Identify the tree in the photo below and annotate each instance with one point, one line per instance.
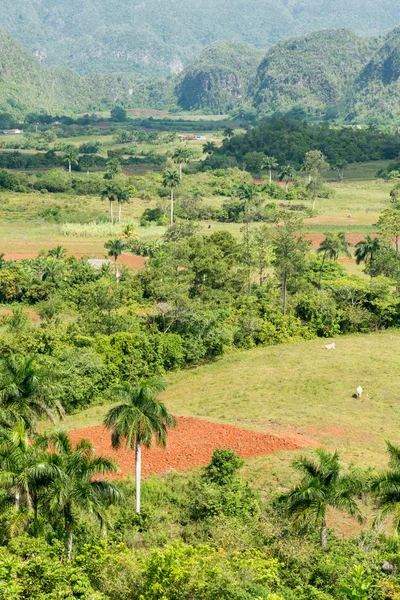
(367, 249)
(286, 174)
(123, 197)
(58, 252)
(228, 133)
(113, 168)
(314, 163)
(76, 486)
(138, 421)
(323, 486)
(289, 250)
(170, 180)
(262, 246)
(115, 249)
(331, 247)
(247, 193)
(314, 187)
(71, 157)
(209, 148)
(181, 156)
(112, 193)
(340, 167)
(270, 163)
(118, 114)
(389, 226)
(386, 488)
(26, 393)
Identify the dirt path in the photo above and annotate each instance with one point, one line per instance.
(190, 444)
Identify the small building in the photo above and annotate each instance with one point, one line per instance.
(13, 131)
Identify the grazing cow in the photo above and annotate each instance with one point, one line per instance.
(330, 346)
(359, 391)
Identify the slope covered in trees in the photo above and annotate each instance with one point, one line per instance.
(100, 35)
(219, 78)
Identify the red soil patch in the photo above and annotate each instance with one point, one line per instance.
(190, 444)
(133, 261)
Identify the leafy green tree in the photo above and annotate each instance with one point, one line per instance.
(26, 392)
(138, 421)
(289, 251)
(262, 247)
(331, 248)
(389, 226)
(286, 174)
(270, 163)
(181, 156)
(113, 168)
(340, 167)
(314, 188)
(58, 252)
(115, 248)
(77, 486)
(323, 486)
(71, 157)
(171, 180)
(314, 163)
(118, 114)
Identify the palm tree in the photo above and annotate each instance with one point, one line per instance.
(170, 180)
(123, 197)
(386, 488)
(76, 485)
(26, 393)
(209, 148)
(228, 133)
(181, 156)
(71, 157)
(269, 162)
(138, 420)
(340, 167)
(111, 192)
(286, 174)
(323, 486)
(366, 249)
(58, 252)
(113, 167)
(331, 247)
(115, 249)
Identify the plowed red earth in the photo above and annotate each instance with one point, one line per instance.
(190, 444)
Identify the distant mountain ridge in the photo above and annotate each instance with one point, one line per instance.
(155, 37)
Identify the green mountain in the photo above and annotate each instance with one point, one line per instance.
(313, 74)
(157, 37)
(377, 89)
(219, 78)
(28, 86)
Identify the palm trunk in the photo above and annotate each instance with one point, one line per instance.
(284, 293)
(286, 186)
(138, 475)
(117, 275)
(314, 201)
(69, 544)
(309, 178)
(70, 167)
(270, 176)
(172, 206)
(17, 500)
(119, 211)
(111, 213)
(180, 170)
(323, 536)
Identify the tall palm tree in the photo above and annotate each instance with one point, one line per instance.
(386, 488)
(58, 252)
(171, 180)
(115, 249)
(269, 162)
(76, 485)
(138, 421)
(123, 197)
(111, 192)
(331, 248)
(366, 249)
(181, 156)
(71, 157)
(26, 393)
(286, 173)
(228, 133)
(323, 486)
(209, 148)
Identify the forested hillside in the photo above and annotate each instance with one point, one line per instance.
(104, 35)
(314, 74)
(219, 78)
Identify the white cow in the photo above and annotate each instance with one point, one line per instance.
(359, 391)
(330, 346)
